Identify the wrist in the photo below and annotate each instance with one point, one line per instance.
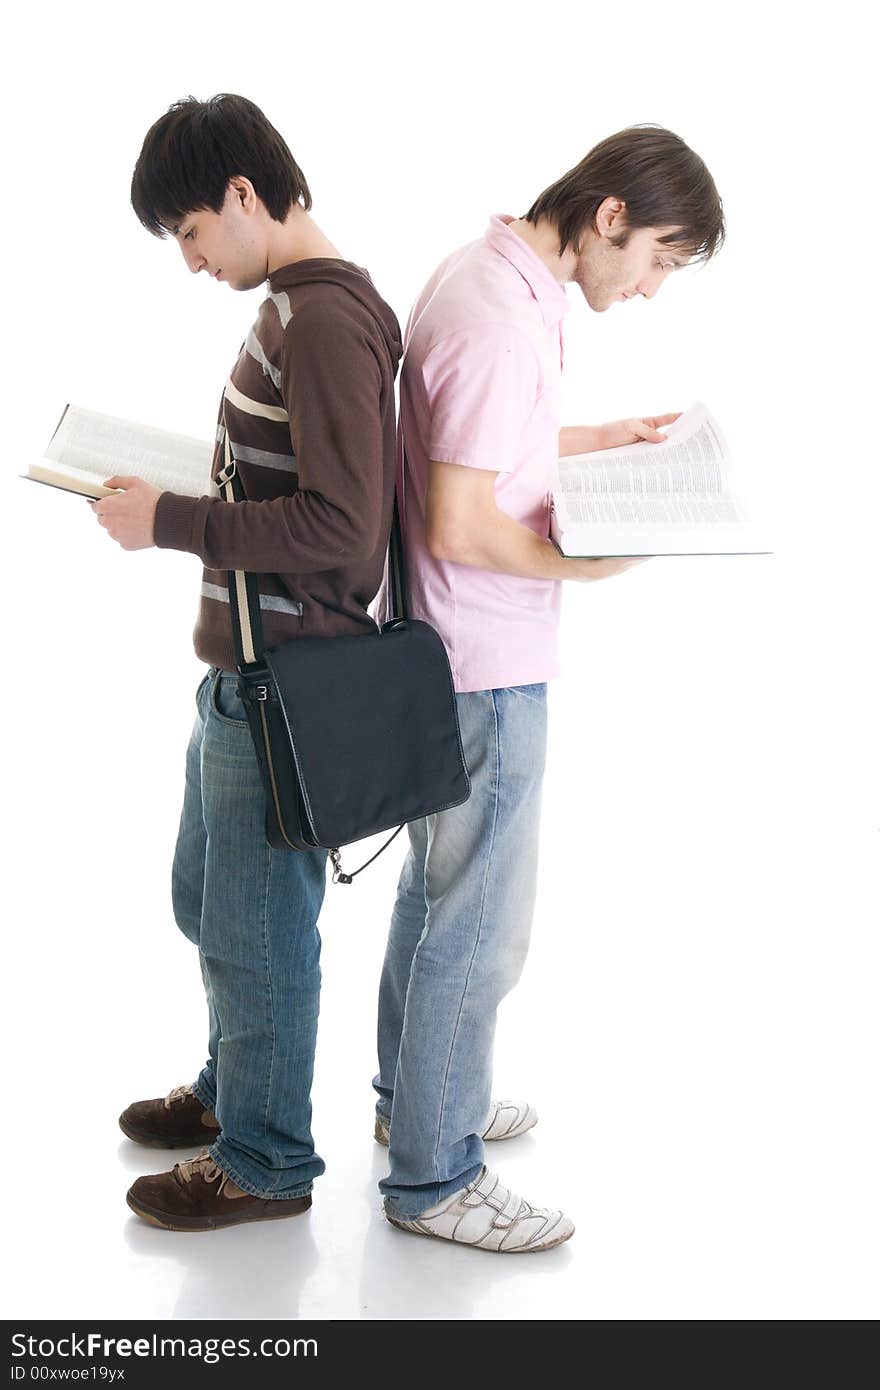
(173, 521)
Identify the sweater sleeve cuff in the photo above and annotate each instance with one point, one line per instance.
(173, 523)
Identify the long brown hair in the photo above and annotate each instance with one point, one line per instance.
(660, 180)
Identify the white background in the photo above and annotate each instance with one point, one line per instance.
(696, 1019)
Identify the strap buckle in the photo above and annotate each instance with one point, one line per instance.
(336, 860)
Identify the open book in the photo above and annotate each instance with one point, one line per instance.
(675, 498)
(87, 447)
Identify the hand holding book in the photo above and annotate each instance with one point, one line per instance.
(620, 432)
(129, 516)
(590, 439)
(584, 569)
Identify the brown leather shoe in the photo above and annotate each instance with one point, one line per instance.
(199, 1196)
(180, 1121)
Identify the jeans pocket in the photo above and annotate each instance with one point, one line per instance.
(225, 700)
(536, 692)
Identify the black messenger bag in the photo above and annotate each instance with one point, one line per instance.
(353, 734)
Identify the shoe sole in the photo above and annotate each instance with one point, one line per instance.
(209, 1223)
(157, 1141)
(381, 1136)
(486, 1249)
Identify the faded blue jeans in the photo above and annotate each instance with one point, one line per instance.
(252, 911)
(458, 939)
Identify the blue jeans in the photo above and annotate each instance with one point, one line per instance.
(458, 939)
(252, 911)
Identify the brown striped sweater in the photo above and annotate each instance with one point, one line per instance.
(309, 406)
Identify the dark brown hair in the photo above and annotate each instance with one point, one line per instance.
(661, 181)
(191, 153)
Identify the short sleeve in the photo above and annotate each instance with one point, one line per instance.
(481, 384)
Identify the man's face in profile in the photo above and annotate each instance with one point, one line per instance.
(607, 274)
(229, 245)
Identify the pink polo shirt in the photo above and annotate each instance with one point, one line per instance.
(480, 386)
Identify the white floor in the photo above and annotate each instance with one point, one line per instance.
(697, 1018)
(695, 1023)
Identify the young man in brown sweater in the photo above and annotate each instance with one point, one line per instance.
(309, 408)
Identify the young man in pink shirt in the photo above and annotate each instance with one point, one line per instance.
(480, 428)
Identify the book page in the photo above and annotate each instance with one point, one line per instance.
(103, 445)
(651, 510)
(685, 478)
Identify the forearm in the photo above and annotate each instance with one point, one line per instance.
(578, 439)
(303, 534)
(506, 546)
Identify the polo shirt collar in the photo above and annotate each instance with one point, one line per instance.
(550, 294)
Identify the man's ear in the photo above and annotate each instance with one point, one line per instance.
(610, 216)
(242, 190)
